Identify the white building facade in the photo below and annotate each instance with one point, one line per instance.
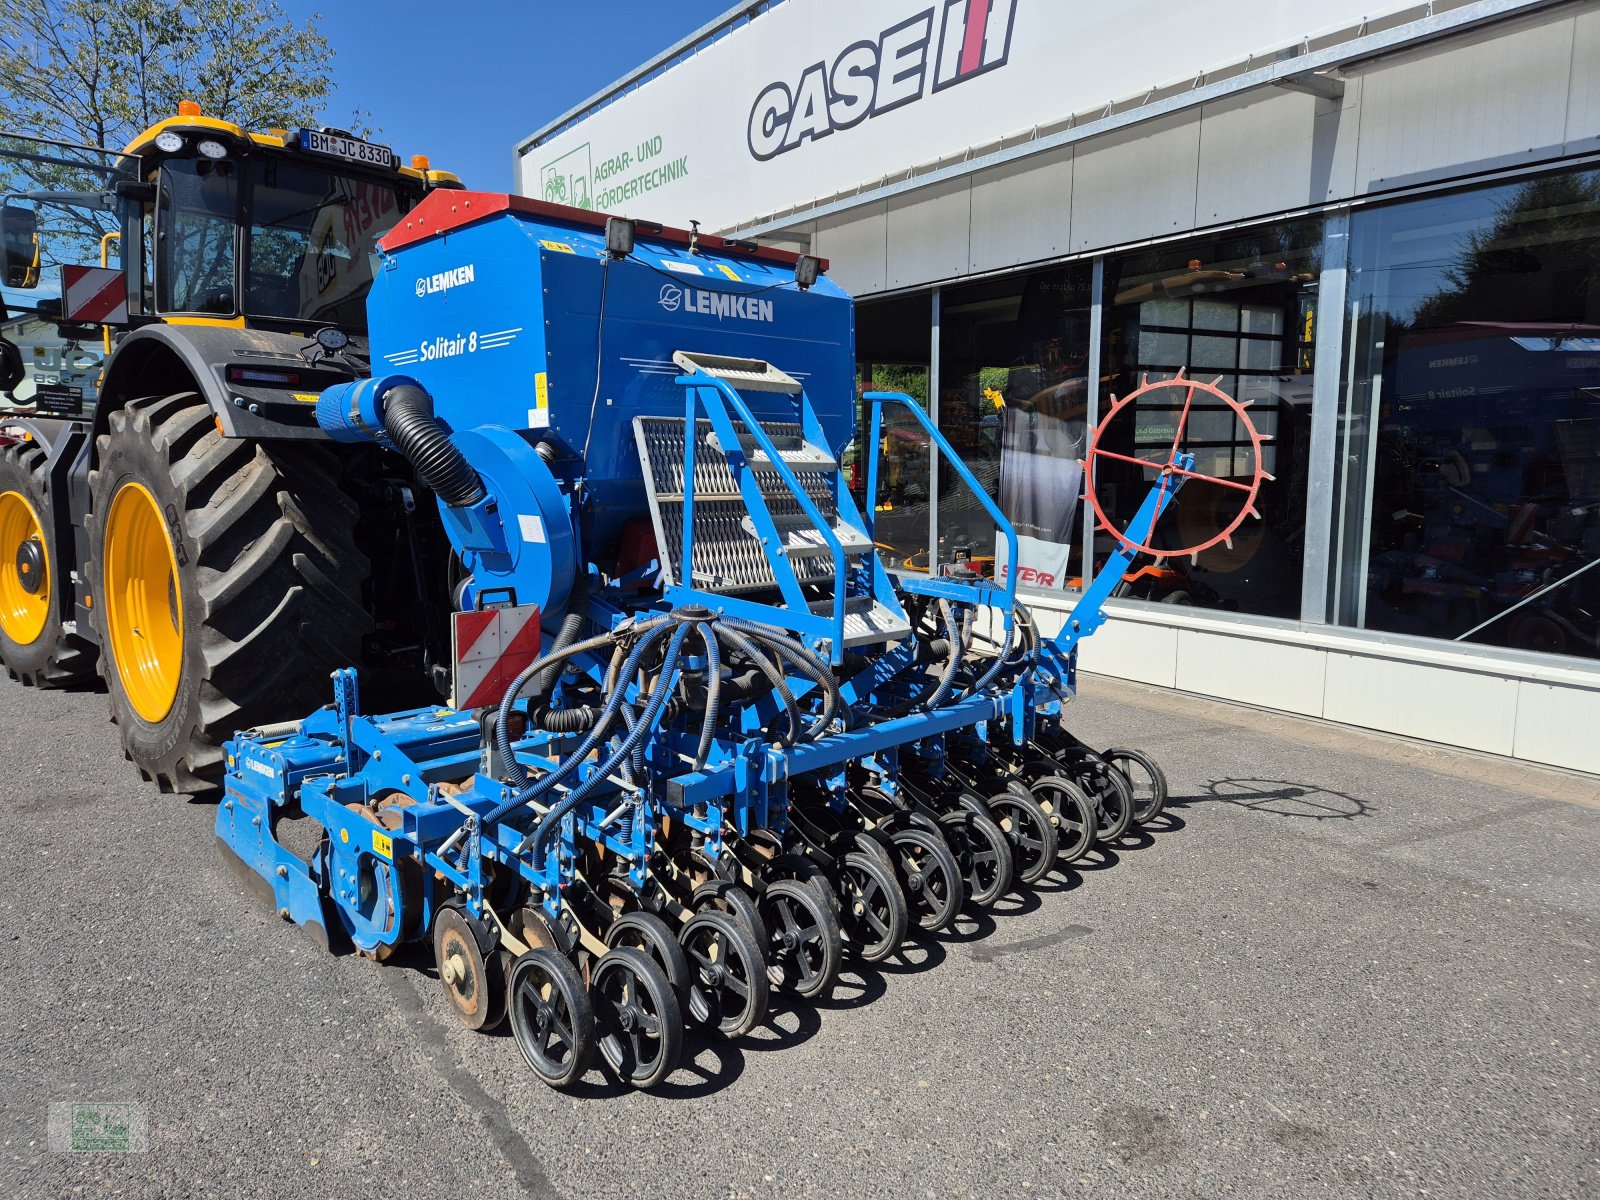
(1379, 223)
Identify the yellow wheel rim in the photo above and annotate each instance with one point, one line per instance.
(142, 602)
(24, 571)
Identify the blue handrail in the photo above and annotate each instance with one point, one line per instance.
(736, 402)
(877, 400)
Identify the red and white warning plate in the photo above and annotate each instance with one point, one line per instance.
(94, 295)
(492, 646)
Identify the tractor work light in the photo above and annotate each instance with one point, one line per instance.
(806, 269)
(169, 141)
(212, 149)
(619, 237)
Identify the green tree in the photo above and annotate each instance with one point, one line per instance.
(97, 73)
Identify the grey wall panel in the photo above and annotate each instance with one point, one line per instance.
(856, 247)
(1256, 155)
(1484, 100)
(1335, 139)
(1022, 211)
(927, 234)
(1583, 96)
(1135, 184)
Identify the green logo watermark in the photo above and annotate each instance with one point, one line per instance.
(100, 1128)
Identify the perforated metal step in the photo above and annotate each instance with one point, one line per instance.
(729, 556)
(866, 621)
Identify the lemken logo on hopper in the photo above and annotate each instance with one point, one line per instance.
(443, 281)
(715, 304)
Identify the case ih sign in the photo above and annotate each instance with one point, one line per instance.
(928, 52)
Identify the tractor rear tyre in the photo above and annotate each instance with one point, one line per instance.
(226, 583)
(35, 646)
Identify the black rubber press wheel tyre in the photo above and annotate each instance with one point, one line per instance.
(1028, 828)
(551, 1016)
(226, 583)
(982, 851)
(1113, 798)
(637, 1015)
(649, 933)
(806, 946)
(728, 987)
(35, 646)
(1072, 813)
(733, 901)
(872, 912)
(1145, 777)
(930, 877)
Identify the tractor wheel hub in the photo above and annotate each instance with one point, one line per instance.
(30, 566)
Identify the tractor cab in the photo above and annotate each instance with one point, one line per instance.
(200, 223)
(276, 231)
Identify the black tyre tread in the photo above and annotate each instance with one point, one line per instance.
(276, 572)
(71, 659)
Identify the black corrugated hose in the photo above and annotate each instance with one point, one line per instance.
(416, 433)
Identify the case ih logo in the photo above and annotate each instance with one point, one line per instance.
(951, 42)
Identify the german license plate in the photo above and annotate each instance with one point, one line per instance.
(348, 148)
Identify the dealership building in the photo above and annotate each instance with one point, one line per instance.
(1377, 223)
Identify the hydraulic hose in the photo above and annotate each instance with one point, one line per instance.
(953, 635)
(551, 821)
(810, 665)
(417, 434)
(571, 627)
(708, 724)
(502, 738)
(602, 725)
(791, 707)
(995, 667)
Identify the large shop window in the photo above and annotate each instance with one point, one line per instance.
(1470, 457)
(1013, 389)
(1239, 309)
(893, 347)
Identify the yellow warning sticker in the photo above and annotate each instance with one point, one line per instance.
(539, 414)
(383, 845)
(305, 397)
(728, 271)
(558, 247)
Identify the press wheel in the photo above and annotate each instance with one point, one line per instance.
(1145, 777)
(872, 912)
(648, 933)
(728, 986)
(636, 1012)
(551, 1016)
(983, 852)
(929, 876)
(1027, 827)
(806, 946)
(1071, 812)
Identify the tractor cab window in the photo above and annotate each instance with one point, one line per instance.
(312, 242)
(196, 251)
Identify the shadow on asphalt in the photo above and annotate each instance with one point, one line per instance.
(1280, 798)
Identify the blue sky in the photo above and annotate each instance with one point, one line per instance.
(464, 82)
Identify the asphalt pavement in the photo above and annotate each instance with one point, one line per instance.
(1343, 965)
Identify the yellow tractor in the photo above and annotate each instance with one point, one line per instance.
(183, 523)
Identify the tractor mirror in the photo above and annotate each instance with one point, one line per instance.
(19, 244)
